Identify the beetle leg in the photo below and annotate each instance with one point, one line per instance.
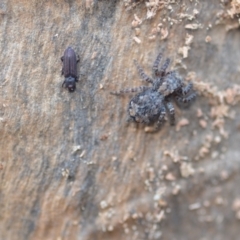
(62, 58)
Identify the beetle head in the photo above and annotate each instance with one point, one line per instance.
(70, 84)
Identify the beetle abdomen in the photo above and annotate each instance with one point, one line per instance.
(69, 63)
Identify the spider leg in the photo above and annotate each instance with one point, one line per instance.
(187, 89)
(184, 96)
(162, 71)
(172, 73)
(161, 118)
(142, 74)
(130, 90)
(186, 99)
(156, 64)
(171, 111)
(158, 82)
(129, 119)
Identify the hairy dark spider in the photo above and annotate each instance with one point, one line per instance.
(152, 103)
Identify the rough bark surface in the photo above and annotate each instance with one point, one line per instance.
(70, 166)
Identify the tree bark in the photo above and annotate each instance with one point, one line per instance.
(70, 165)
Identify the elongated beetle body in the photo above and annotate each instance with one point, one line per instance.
(69, 69)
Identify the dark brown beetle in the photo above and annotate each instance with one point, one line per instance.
(69, 69)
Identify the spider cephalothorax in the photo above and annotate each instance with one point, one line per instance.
(150, 105)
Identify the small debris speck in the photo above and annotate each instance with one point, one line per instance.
(194, 206)
(137, 40)
(219, 201)
(181, 123)
(76, 148)
(203, 123)
(164, 33)
(65, 172)
(186, 170)
(188, 39)
(176, 190)
(208, 39)
(103, 204)
(236, 204)
(193, 26)
(199, 112)
(224, 175)
(170, 177)
(137, 31)
(110, 228)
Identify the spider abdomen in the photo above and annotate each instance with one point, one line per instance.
(146, 106)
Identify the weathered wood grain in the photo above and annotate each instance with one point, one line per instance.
(70, 165)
